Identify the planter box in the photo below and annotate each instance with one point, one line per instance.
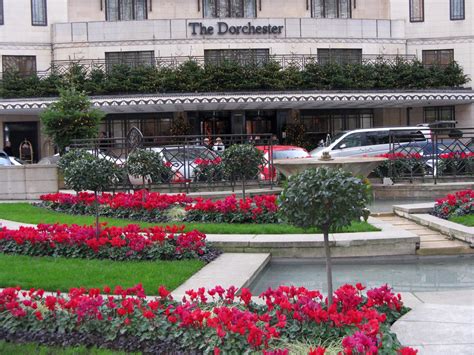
(27, 182)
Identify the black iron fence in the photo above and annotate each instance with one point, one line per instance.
(433, 154)
(190, 162)
(300, 61)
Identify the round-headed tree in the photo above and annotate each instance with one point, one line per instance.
(148, 166)
(242, 162)
(327, 199)
(71, 117)
(83, 171)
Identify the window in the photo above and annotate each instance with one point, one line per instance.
(125, 10)
(1, 12)
(441, 113)
(331, 9)
(456, 9)
(39, 13)
(442, 57)
(132, 59)
(340, 56)
(229, 8)
(417, 10)
(22, 65)
(241, 56)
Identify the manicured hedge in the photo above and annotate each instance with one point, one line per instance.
(231, 76)
(208, 322)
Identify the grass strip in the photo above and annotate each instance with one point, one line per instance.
(467, 220)
(8, 348)
(26, 213)
(52, 274)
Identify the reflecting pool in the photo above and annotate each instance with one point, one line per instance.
(415, 274)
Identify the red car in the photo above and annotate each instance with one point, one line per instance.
(279, 152)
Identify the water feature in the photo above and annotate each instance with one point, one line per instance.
(413, 274)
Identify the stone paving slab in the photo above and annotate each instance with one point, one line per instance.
(237, 270)
(14, 225)
(432, 327)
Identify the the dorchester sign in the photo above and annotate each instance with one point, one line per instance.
(223, 28)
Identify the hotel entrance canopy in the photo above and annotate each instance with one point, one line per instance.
(254, 101)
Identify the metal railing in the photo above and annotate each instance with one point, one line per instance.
(300, 61)
(190, 162)
(433, 154)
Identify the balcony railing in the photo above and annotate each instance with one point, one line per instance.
(299, 61)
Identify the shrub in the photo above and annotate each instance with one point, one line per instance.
(456, 163)
(459, 204)
(210, 322)
(148, 165)
(326, 199)
(71, 117)
(242, 162)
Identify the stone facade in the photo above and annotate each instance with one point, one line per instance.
(79, 30)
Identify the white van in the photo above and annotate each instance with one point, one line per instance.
(371, 142)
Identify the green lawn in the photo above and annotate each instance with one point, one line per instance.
(26, 213)
(467, 220)
(34, 349)
(54, 274)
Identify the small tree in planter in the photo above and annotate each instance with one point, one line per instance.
(147, 165)
(71, 117)
(327, 199)
(83, 171)
(242, 161)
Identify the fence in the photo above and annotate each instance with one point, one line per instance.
(300, 61)
(429, 154)
(190, 162)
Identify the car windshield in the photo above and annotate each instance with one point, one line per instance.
(181, 154)
(289, 154)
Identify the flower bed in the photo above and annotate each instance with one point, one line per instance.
(400, 165)
(456, 163)
(156, 207)
(115, 243)
(212, 321)
(459, 204)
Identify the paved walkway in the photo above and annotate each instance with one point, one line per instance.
(439, 322)
(431, 242)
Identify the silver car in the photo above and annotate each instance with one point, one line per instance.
(4, 159)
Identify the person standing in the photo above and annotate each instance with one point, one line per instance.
(218, 146)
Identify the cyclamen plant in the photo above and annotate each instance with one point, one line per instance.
(210, 321)
(458, 204)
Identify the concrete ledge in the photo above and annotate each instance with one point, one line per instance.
(238, 270)
(27, 182)
(417, 190)
(450, 229)
(414, 208)
(389, 241)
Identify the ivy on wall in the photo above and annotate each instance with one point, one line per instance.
(192, 76)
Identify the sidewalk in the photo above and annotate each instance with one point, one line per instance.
(439, 322)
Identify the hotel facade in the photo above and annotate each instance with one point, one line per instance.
(37, 35)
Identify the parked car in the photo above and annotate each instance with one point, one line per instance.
(279, 152)
(4, 159)
(371, 142)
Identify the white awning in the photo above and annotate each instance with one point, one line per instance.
(254, 101)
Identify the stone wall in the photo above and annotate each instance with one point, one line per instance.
(27, 182)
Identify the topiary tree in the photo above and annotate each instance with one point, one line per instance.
(83, 171)
(242, 161)
(147, 165)
(328, 199)
(71, 117)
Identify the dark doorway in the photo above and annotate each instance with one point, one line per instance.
(17, 132)
(215, 122)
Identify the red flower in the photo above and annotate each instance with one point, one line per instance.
(318, 351)
(163, 292)
(407, 351)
